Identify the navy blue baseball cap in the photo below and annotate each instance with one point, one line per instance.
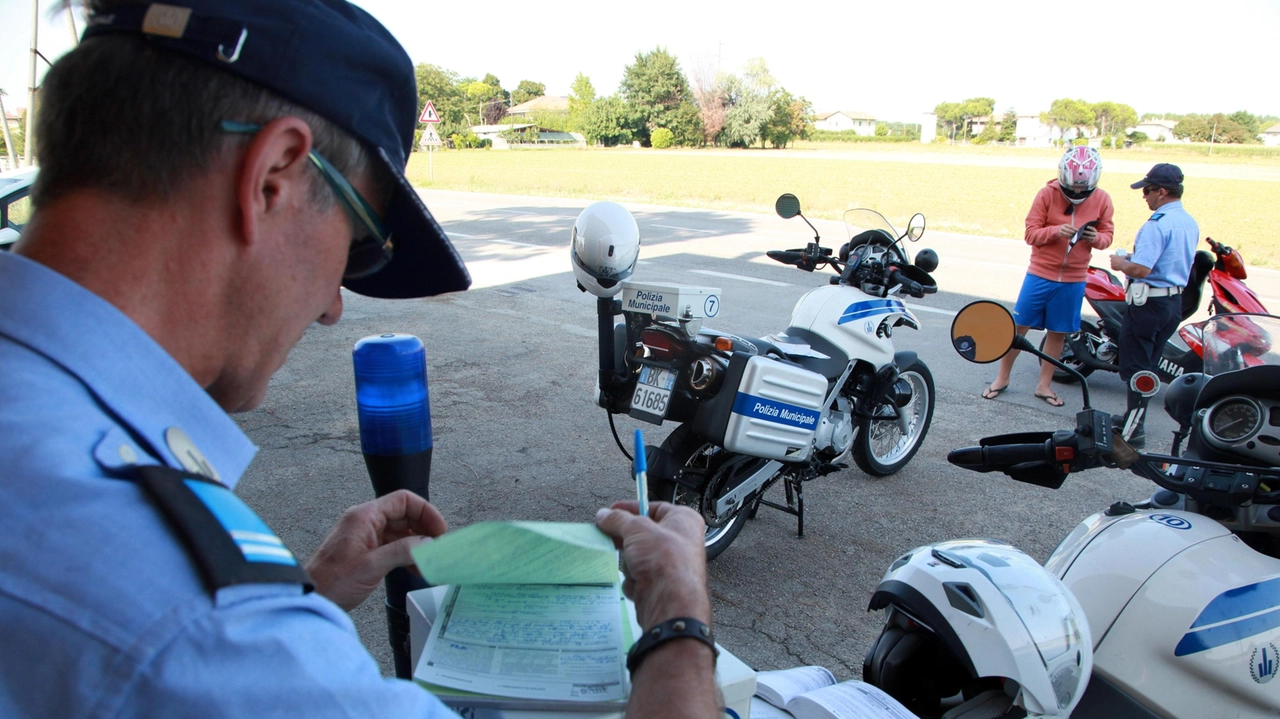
(337, 61)
(1162, 175)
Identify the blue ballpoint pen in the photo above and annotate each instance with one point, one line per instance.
(641, 471)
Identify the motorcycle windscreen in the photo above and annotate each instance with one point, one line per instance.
(1236, 341)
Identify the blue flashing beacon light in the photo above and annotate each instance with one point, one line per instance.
(395, 411)
(394, 408)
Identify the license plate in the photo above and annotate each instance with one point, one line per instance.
(653, 394)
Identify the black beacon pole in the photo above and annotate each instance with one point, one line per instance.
(395, 437)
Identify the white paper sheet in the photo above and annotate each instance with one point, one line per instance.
(549, 641)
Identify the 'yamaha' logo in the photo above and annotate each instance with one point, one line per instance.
(1263, 664)
(1171, 521)
(1170, 368)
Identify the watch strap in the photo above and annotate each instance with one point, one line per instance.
(678, 628)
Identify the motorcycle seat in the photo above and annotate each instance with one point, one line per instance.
(1200, 266)
(832, 366)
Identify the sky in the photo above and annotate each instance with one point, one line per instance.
(894, 60)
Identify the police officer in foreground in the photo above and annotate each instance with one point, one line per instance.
(211, 172)
(1158, 271)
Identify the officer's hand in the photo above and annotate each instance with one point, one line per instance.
(663, 560)
(1118, 263)
(1067, 231)
(370, 540)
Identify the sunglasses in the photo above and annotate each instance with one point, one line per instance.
(1150, 189)
(371, 246)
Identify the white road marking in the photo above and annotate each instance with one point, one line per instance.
(523, 244)
(934, 310)
(741, 278)
(685, 229)
(459, 234)
(535, 319)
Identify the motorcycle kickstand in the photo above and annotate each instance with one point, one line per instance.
(794, 505)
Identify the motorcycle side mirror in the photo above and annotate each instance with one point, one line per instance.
(983, 332)
(915, 228)
(787, 206)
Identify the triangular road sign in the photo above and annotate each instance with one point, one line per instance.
(430, 136)
(429, 114)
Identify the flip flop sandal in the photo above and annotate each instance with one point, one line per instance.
(991, 392)
(1050, 399)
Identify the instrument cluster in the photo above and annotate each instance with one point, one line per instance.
(1244, 425)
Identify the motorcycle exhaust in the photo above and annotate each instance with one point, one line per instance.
(1081, 353)
(701, 374)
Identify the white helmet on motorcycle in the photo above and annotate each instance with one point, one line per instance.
(980, 622)
(1078, 172)
(604, 245)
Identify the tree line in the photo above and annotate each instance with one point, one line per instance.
(1107, 120)
(655, 105)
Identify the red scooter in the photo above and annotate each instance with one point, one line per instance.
(1096, 346)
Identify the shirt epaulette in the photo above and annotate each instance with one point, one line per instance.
(1155, 217)
(225, 538)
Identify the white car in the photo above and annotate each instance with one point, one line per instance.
(15, 203)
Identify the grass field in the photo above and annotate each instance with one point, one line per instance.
(977, 190)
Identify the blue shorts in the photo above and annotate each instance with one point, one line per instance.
(1048, 305)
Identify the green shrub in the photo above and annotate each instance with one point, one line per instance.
(462, 141)
(662, 138)
(853, 136)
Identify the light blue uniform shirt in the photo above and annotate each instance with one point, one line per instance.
(1166, 243)
(102, 612)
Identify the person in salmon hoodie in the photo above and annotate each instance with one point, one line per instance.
(1069, 218)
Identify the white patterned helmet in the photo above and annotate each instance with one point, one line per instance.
(1078, 172)
(982, 619)
(604, 245)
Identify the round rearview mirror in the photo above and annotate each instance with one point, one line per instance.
(983, 332)
(915, 227)
(787, 206)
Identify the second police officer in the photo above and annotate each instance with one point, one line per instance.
(1158, 271)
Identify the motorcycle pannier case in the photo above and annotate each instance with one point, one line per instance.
(766, 408)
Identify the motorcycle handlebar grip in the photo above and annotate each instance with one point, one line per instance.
(1000, 456)
(786, 257)
(913, 288)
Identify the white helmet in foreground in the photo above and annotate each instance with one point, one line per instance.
(978, 622)
(604, 245)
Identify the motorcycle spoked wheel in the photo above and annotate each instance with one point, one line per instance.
(881, 448)
(697, 453)
(1091, 336)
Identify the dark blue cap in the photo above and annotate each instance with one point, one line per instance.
(1162, 175)
(337, 61)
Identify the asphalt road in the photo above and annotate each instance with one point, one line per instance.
(511, 368)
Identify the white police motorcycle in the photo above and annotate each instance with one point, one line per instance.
(753, 412)
(1178, 595)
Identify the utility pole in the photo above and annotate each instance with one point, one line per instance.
(1213, 137)
(71, 25)
(31, 88)
(8, 136)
